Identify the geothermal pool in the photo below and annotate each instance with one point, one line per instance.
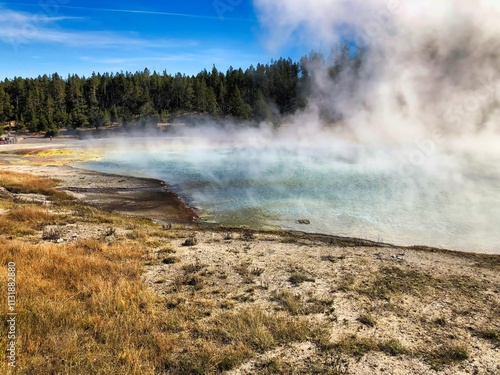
(445, 200)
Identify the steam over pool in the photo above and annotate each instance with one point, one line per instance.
(345, 190)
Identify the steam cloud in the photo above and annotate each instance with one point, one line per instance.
(431, 68)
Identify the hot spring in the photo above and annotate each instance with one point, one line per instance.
(450, 200)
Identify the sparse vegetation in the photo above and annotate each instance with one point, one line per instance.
(110, 231)
(247, 235)
(359, 346)
(331, 258)
(489, 334)
(32, 216)
(347, 283)
(191, 241)
(446, 355)
(394, 281)
(367, 319)
(29, 184)
(227, 236)
(137, 235)
(290, 302)
(298, 277)
(392, 347)
(52, 234)
(170, 260)
(356, 346)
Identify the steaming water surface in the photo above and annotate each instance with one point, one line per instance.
(345, 190)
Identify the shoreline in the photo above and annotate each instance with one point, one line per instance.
(154, 199)
(129, 196)
(156, 202)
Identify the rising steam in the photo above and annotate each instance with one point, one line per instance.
(430, 70)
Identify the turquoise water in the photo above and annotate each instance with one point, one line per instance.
(345, 191)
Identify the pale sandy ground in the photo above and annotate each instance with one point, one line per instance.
(435, 297)
(255, 271)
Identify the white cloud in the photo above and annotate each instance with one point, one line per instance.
(134, 60)
(19, 28)
(9, 16)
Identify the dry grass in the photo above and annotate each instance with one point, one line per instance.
(28, 184)
(394, 282)
(32, 216)
(367, 319)
(446, 355)
(357, 346)
(233, 337)
(81, 311)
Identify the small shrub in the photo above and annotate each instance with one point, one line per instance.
(299, 278)
(191, 241)
(137, 235)
(195, 281)
(52, 234)
(356, 346)
(85, 212)
(257, 271)
(227, 236)
(446, 355)
(247, 235)
(193, 267)
(440, 322)
(170, 260)
(347, 283)
(167, 250)
(331, 258)
(290, 302)
(367, 320)
(392, 347)
(489, 334)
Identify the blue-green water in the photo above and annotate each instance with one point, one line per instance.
(349, 192)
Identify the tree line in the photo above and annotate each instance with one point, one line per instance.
(261, 93)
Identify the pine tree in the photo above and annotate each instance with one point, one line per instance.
(6, 108)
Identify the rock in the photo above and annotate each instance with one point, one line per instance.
(303, 221)
(191, 241)
(4, 191)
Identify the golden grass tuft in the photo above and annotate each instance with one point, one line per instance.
(222, 343)
(31, 215)
(28, 184)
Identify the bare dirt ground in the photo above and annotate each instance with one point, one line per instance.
(382, 309)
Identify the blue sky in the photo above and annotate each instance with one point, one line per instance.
(74, 36)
